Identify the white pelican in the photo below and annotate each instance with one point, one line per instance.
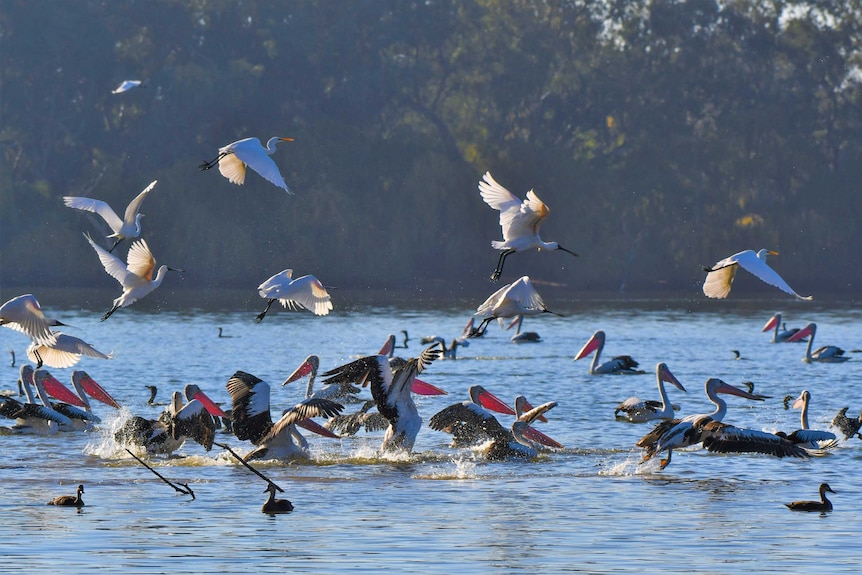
(69, 500)
(87, 386)
(127, 85)
(305, 292)
(469, 429)
(621, 364)
(822, 505)
(825, 354)
(720, 276)
(340, 392)
(128, 227)
(392, 393)
(31, 416)
(71, 405)
(849, 426)
(779, 332)
(805, 437)
(251, 419)
(517, 298)
(527, 336)
(235, 157)
(23, 313)
(66, 351)
(636, 410)
(273, 505)
(137, 279)
(520, 221)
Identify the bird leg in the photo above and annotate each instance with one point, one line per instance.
(116, 243)
(212, 163)
(480, 331)
(38, 359)
(499, 269)
(109, 312)
(664, 462)
(262, 314)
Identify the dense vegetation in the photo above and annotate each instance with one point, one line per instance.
(662, 134)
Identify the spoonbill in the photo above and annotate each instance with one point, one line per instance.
(127, 85)
(127, 227)
(69, 500)
(720, 276)
(516, 298)
(23, 313)
(519, 221)
(621, 364)
(136, 278)
(233, 159)
(822, 505)
(305, 292)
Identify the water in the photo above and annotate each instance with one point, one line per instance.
(589, 508)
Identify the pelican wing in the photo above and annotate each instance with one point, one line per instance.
(250, 406)
(724, 438)
(96, 206)
(306, 409)
(468, 423)
(194, 421)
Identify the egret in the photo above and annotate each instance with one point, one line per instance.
(305, 292)
(720, 276)
(127, 85)
(233, 159)
(128, 227)
(136, 278)
(66, 351)
(520, 221)
(517, 298)
(23, 313)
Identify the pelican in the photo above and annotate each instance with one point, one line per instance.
(351, 423)
(31, 417)
(636, 410)
(66, 351)
(450, 351)
(527, 336)
(779, 336)
(71, 405)
(810, 438)
(720, 276)
(517, 298)
(233, 159)
(87, 386)
(128, 227)
(520, 221)
(251, 419)
(340, 392)
(305, 292)
(127, 85)
(621, 364)
(23, 313)
(273, 505)
(69, 500)
(825, 354)
(822, 505)
(177, 423)
(470, 428)
(136, 278)
(849, 426)
(392, 393)
(419, 387)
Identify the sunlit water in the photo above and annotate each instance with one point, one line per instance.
(589, 508)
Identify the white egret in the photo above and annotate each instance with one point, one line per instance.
(520, 221)
(233, 159)
(128, 227)
(23, 313)
(136, 279)
(516, 298)
(720, 276)
(66, 351)
(305, 292)
(127, 85)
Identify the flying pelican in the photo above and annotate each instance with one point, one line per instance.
(233, 159)
(136, 279)
(305, 292)
(520, 221)
(636, 410)
(340, 392)
(621, 364)
(66, 351)
(273, 505)
(69, 500)
(779, 336)
(822, 505)
(517, 298)
(23, 313)
(825, 354)
(527, 336)
(128, 227)
(720, 276)
(127, 85)
(251, 419)
(805, 437)
(849, 426)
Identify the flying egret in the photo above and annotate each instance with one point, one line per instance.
(233, 159)
(720, 276)
(66, 351)
(520, 221)
(305, 292)
(136, 279)
(517, 298)
(128, 227)
(127, 85)
(23, 313)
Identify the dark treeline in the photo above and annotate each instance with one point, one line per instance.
(663, 135)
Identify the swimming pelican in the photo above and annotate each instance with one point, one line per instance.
(136, 279)
(251, 419)
(31, 416)
(849, 426)
(193, 391)
(66, 351)
(519, 221)
(517, 298)
(233, 159)
(273, 505)
(127, 85)
(70, 405)
(782, 335)
(128, 227)
(621, 364)
(720, 276)
(305, 292)
(825, 354)
(23, 313)
(69, 500)
(527, 336)
(177, 423)
(636, 410)
(822, 505)
(340, 392)
(87, 386)
(809, 438)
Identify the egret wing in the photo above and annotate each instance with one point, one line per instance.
(96, 206)
(112, 264)
(141, 260)
(759, 268)
(135, 205)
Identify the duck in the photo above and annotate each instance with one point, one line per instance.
(69, 500)
(823, 505)
(273, 505)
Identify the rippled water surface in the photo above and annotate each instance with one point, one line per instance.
(589, 508)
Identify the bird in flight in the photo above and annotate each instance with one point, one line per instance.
(233, 159)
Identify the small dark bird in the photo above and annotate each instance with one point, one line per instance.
(822, 505)
(69, 500)
(849, 426)
(736, 354)
(220, 334)
(274, 505)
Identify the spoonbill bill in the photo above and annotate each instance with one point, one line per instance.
(719, 277)
(127, 227)
(305, 292)
(233, 159)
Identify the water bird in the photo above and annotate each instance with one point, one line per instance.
(136, 278)
(469, 429)
(177, 423)
(849, 426)
(621, 364)
(779, 335)
(520, 221)
(350, 424)
(31, 417)
(824, 354)
(69, 404)
(805, 437)
(305, 292)
(127, 85)
(406, 339)
(66, 351)
(153, 392)
(127, 227)
(340, 392)
(233, 159)
(23, 313)
(69, 500)
(86, 386)
(736, 354)
(450, 351)
(636, 410)
(720, 276)
(221, 334)
(516, 298)
(525, 337)
(12, 353)
(273, 505)
(823, 505)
